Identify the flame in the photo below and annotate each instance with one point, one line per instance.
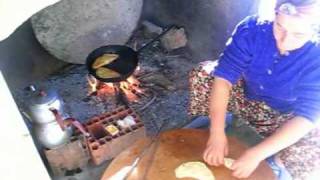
(133, 81)
(131, 97)
(130, 88)
(107, 89)
(124, 85)
(93, 83)
(132, 84)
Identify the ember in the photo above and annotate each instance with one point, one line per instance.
(130, 89)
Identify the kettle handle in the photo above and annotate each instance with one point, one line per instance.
(63, 123)
(58, 118)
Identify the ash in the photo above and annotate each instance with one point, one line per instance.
(163, 73)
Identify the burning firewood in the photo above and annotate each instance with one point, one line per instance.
(93, 83)
(130, 90)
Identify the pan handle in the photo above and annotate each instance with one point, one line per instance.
(157, 38)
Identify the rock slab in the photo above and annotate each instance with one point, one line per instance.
(71, 29)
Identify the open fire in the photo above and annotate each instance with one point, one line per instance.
(130, 89)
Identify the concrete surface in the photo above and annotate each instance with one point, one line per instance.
(23, 60)
(89, 173)
(13, 13)
(19, 156)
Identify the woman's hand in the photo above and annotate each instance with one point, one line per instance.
(245, 165)
(217, 148)
(285, 136)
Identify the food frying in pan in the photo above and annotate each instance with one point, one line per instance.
(105, 73)
(104, 60)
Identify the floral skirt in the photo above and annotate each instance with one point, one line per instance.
(300, 159)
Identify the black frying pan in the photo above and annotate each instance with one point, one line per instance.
(125, 64)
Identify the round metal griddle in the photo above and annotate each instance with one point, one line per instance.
(174, 148)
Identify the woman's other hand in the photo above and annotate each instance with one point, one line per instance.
(244, 166)
(216, 149)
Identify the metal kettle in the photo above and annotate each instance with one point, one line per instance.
(40, 104)
(57, 133)
(53, 128)
(51, 136)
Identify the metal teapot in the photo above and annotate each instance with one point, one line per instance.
(40, 104)
(51, 136)
(52, 127)
(57, 133)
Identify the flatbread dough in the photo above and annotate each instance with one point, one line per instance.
(228, 162)
(104, 60)
(197, 170)
(107, 73)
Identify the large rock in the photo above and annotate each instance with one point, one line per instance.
(71, 29)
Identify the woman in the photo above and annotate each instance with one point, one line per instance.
(269, 76)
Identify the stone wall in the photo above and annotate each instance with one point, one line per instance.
(208, 23)
(23, 59)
